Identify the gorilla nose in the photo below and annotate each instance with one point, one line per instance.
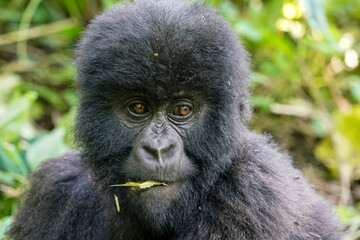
(162, 154)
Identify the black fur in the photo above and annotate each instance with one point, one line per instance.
(240, 187)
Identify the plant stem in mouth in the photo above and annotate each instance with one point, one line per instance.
(141, 185)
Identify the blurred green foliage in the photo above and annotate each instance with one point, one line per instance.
(306, 80)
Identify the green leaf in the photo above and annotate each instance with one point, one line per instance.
(141, 185)
(11, 160)
(324, 151)
(316, 17)
(18, 107)
(355, 89)
(117, 203)
(259, 78)
(228, 10)
(262, 102)
(10, 15)
(344, 143)
(149, 184)
(5, 225)
(319, 128)
(345, 213)
(8, 81)
(247, 30)
(106, 4)
(348, 124)
(48, 146)
(50, 95)
(6, 178)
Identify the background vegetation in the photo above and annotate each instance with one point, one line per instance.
(306, 87)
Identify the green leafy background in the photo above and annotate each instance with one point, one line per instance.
(306, 88)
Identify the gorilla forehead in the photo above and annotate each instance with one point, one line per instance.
(168, 45)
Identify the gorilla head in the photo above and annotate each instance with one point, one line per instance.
(164, 95)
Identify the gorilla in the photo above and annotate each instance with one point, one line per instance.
(164, 97)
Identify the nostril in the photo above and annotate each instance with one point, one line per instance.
(151, 151)
(169, 152)
(159, 154)
(166, 149)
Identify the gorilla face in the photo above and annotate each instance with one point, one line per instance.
(158, 152)
(159, 128)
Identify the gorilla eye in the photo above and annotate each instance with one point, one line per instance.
(138, 108)
(182, 111)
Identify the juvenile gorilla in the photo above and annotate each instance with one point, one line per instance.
(164, 95)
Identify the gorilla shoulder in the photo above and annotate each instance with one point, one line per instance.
(60, 203)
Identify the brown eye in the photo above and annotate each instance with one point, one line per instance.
(138, 108)
(181, 111)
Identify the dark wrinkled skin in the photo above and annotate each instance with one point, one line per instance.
(224, 181)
